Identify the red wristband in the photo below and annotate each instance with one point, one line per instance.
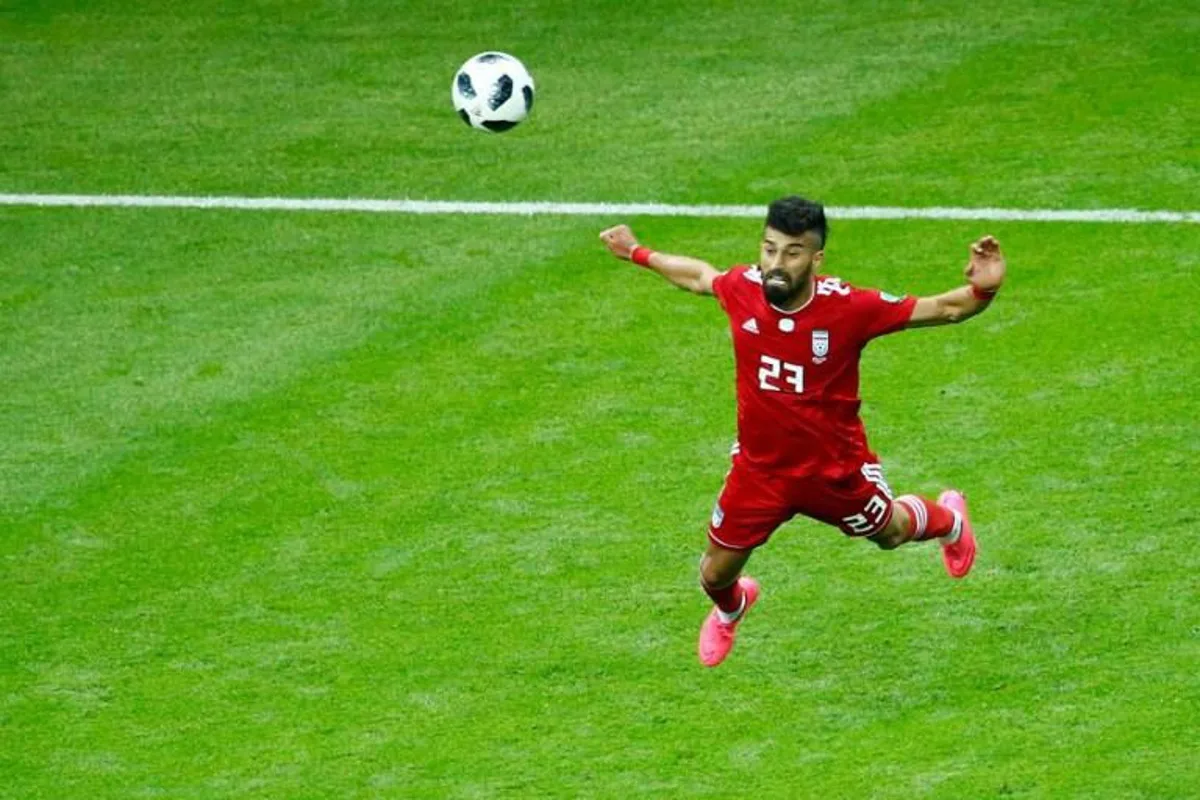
(983, 294)
(641, 256)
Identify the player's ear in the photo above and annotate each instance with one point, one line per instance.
(818, 257)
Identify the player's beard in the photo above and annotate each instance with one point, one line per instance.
(778, 288)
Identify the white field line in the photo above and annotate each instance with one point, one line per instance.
(612, 210)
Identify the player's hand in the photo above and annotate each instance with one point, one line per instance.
(985, 267)
(619, 240)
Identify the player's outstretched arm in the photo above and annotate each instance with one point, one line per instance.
(985, 274)
(687, 273)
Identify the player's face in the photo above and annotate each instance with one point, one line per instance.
(787, 264)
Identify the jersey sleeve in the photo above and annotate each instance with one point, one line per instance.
(724, 287)
(881, 313)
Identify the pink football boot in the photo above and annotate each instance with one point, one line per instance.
(961, 555)
(716, 637)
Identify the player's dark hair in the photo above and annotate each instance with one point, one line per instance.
(794, 215)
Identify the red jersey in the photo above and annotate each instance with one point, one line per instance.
(797, 372)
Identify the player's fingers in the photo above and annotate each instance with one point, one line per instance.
(985, 249)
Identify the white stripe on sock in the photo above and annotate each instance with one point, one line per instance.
(728, 618)
(955, 529)
(916, 510)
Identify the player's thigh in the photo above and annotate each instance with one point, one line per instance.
(748, 510)
(860, 504)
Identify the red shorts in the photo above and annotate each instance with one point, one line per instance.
(754, 503)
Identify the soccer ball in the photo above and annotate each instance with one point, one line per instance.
(492, 92)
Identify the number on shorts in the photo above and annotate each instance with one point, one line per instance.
(873, 514)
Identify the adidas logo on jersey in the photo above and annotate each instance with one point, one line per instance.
(750, 325)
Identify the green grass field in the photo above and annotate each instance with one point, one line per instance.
(343, 505)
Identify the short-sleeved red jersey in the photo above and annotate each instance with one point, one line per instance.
(797, 372)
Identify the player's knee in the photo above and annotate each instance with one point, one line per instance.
(886, 540)
(894, 533)
(715, 575)
(712, 578)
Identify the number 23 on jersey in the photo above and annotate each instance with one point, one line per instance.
(780, 376)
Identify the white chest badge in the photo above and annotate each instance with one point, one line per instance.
(820, 344)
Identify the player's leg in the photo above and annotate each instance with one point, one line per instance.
(720, 569)
(918, 519)
(732, 593)
(860, 503)
(746, 515)
(897, 530)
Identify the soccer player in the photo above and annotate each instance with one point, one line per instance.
(801, 448)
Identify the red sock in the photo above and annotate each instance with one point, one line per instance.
(728, 599)
(927, 519)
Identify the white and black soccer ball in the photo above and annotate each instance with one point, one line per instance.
(492, 92)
